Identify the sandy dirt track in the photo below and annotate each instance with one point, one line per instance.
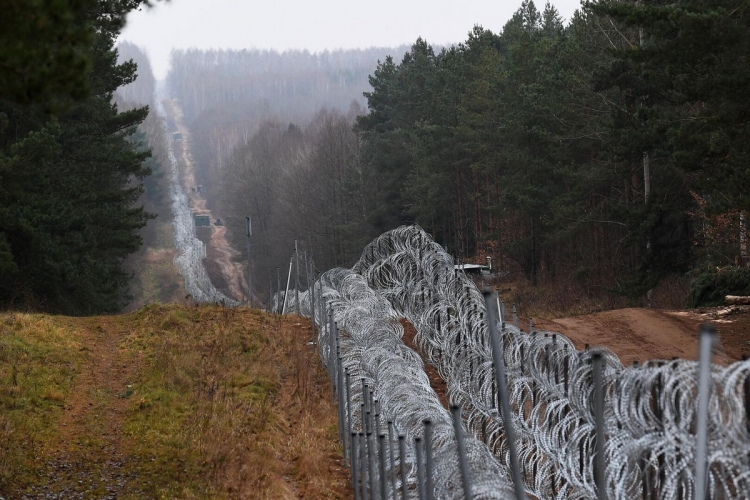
(637, 334)
(222, 262)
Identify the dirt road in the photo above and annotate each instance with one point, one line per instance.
(637, 334)
(223, 263)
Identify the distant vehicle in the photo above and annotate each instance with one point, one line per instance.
(218, 223)
(177, 136)
(202, 221)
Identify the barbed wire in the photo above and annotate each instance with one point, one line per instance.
(190, 250)
(390, 385)
(649, 410)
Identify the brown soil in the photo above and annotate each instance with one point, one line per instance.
(88, 454)
(436, 381)
(226, 273)
(637, 334)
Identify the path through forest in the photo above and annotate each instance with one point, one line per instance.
(222, 262)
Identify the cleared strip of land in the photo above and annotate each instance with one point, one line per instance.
(171, 401)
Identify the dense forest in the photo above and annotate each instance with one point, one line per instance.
(70, 165)
(604, 156)
(611, 151)
(272, 138)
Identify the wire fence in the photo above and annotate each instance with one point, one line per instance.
(578, 424)
(190, 250)
(398, 440)
(650, 415)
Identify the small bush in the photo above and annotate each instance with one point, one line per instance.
(709, 285)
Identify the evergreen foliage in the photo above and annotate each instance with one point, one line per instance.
(69, 174)
(529, 145)
(710, 285)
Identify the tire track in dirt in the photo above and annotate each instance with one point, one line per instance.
(86, 458)
(227, 260)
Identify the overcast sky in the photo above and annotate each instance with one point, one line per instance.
(314, 25)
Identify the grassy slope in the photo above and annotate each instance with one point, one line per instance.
(166, 402)
(155, 277)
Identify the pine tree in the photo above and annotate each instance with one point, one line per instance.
(68, 188)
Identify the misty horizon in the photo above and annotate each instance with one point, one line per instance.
(326, 25)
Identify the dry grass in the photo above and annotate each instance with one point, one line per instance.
(223, 404)
(39, 360)
(155, 277)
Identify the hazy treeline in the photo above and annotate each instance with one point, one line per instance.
(225, 94)
(253, 84)
(272, 138)
(301, 183)
(70, 169)
(531, 145)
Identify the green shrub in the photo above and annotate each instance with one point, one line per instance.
(711, 284)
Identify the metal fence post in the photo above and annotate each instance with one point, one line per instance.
(393, 460)
(342, 402)
(461, 447)
(278, 290)
(599, 464)
(370, 464)
(707, 339)
(381, 456)
(363, 464)
(321, 310)
(430, 487)
(296, 285)
(402, 465)
(288, 279)
(349, 414)
(420, 469)
(353, 464)
(502, 387)
(312, 306)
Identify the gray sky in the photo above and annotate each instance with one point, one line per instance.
(314, 25)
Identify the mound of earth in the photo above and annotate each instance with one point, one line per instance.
(637, 334)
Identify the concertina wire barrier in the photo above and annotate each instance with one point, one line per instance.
(387, 393)
(650, 410)
(650, 415)
(190, 250)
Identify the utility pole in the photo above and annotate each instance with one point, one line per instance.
(647, 191)
(248, 225)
